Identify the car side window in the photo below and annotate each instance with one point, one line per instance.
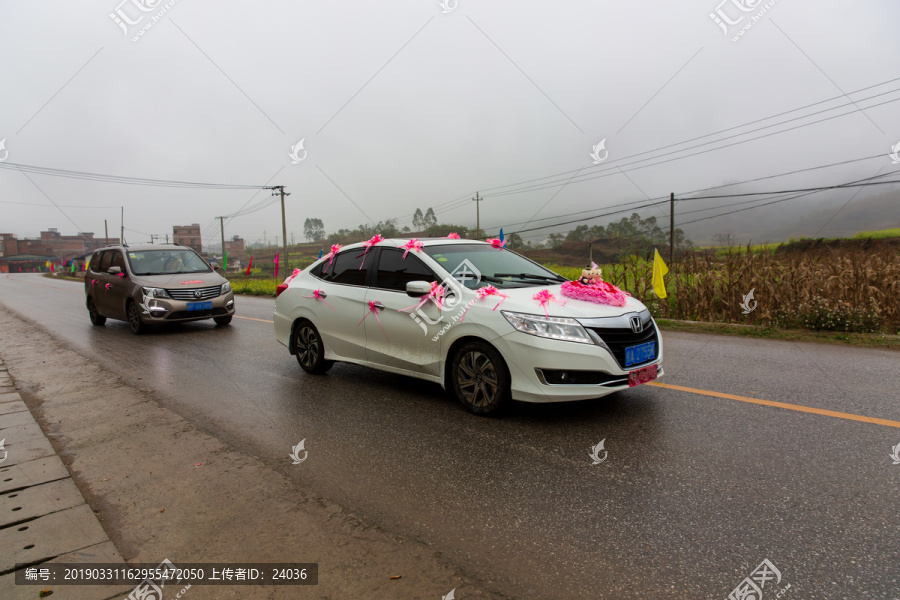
(95, 261)
(117, 260)
(394, 271)
(345, 268)
(105, 260)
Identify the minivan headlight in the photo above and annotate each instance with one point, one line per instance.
(555, 328)
(155, 292)
(226, 287)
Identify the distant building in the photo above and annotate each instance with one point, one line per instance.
(235, 249)
(29, 252)
(188, 235)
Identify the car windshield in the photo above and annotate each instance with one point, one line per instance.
(477, 265)
(166, 262)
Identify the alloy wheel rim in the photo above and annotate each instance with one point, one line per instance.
(134, 317)
(477, 379)
(307, 346)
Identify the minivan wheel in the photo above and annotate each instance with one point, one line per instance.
(310, 350)
(96, 318)
(134, 318)
(222, 320)
(480, 378)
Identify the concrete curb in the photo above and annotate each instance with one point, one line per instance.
(44, 518)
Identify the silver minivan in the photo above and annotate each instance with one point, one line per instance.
(155, 284)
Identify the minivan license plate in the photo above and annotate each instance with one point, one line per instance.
(644, 375)
(200, 305)
(639, 354)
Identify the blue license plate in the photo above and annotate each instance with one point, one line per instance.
(639, 354)
(200, 305)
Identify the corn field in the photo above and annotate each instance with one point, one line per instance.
(823, 289)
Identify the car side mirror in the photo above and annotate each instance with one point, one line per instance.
(417, 289)
(114, 270)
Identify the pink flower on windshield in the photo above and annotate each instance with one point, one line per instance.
(453, 236)
(496, 243)
(413, 244)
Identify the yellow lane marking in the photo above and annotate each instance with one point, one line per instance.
(797, 407)
(252, 319)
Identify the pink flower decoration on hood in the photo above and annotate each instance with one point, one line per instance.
(496, 243)
(453, 236)
(372, 241)
(413, 244)
(481, 294)
(544, 298)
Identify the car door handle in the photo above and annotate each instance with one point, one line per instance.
(322, 294)
(378, 305)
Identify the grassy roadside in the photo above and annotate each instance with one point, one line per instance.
(860, 340)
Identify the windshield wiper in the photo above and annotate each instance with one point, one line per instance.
(532, 276)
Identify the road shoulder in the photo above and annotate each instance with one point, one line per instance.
(163, 488)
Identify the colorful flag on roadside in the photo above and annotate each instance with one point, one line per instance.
(225, 261)
(247, 273)
(52, 269)
(277, 257)
(73, 266)
(659, 270)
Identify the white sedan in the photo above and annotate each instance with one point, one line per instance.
(480, 320)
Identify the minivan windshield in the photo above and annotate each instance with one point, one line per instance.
(489, 265)
(166, 262)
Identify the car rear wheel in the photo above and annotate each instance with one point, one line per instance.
(310, 349)
(480, 378)
(96, 317)
(134, 318)
(222, 320)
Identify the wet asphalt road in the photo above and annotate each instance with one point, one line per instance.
(695, 492)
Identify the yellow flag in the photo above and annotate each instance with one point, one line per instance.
(659, 269)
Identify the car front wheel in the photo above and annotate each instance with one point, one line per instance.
(96, 317)
(310, 349)
(134, 318)
(222, 320)
(480, 378)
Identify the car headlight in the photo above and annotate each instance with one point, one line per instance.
(226, 287)
(155, 292)
(555, 328)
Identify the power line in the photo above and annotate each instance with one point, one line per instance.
(125, 180)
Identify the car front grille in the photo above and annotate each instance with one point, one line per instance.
(197, 314)
(188, 295)
(617, 339)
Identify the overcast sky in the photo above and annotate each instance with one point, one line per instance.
(406, 104)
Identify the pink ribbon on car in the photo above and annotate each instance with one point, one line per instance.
(544, 298)
(496, 243)
(372, 241)
(481, 294)
(317, 294)
(373, 309)
(330, 256)
(436, 295)
(413, 244)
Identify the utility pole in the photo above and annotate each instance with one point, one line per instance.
(671, 227)
(167, 238)
(477, 199)
(153, 237)
(122, 238)
(222, 231)
(106, 231)
(265, 241)
(282, 193)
